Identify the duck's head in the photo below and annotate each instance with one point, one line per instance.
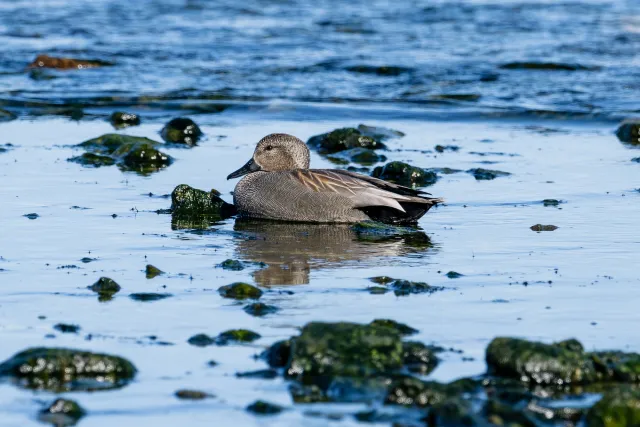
(276, 152)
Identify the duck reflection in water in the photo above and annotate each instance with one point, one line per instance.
(292, 250)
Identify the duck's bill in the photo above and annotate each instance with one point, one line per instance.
(249, 167)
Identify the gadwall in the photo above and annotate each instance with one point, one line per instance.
(280, 186)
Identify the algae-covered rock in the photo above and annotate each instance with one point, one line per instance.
(92, 160)
(187, 394)
(379, 133)
(181, 131)
(481, 174)
(419, 358)
(454, 275)
(410, 391)
(542, 227)
(548, 364)
(400, 328)
(405, 174)
(105, 287)
(188, 202)
(405, 287)
(66, 328)
(61, 369)
(62, 413)
(201, 340)
(551, 202)
(617, 365)
(121, 119)
(619, 407)
(231, 264)
(240, 291)
(148, 296)
(383, 70)
(110, 142)
(259, 309)
(152, 271)
(261, 407)
(344, 349)
(343, 139)
(278, 355)
(629, 132)
(6, 116)
(46, 61)
(361, 156)
(237, 336)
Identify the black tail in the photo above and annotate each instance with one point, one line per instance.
(413, 212)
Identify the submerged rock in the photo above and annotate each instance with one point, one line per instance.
(121, 119)
(237, 336)
(344, 349)
(259, 309)
(152, 271)
(481, 174)
(32, 215)
(629, 132)
(6, 116)
(62, 413)
(380, 133)
(619, 407)
(361, 156)
(400, 328)
(46, 61)
(186, 394)
(105, 287)
(372, 231)
(278, 355)
(343, 139)
(181, 131)
(67, 328)
(405, 174)
(240, 291)
(148, 296)
(454, 275)
(261, 407)
(548, 66)
(419, 358)
(191, 208)
(61, 369)
(201, 340)
(129, 153)
(231, 264)
(636, 159)
(551, 202)
(541, 227)
(383, 70)
(405, 287)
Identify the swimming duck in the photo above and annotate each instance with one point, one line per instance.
(279, 185)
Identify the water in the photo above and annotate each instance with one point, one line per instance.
(244, 72)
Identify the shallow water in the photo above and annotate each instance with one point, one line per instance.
(301, 68)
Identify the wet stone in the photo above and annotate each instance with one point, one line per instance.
(152, 271)
(629, 132)
(193, 205)
(148, 296)
(62, 413)
(410, 391)
(187, 394)
(67, 328)
(343, 139)
(361, 156)
(46, 61)
(121, 119)
(541, 227)
(636, 159)
(87, 260)
(371, 231)
(481, 174)
(105, 287)
(386, 71)
(546, 66)
(201, 340)
(6, 116)
(237, 336)
(61, 369)
(405, 174)
(141, 157)
(419, 358)
(454, 275)
(263, 374)
(406, 287)
(182, 131)
(551, 202)
(278, 355)
(379, 133)
(259, 309)
(92, 160)
(442, 148)
(261, 407)
(400, 328)
(619, 407)
(31, 216)
(240, 291)
(231, 264)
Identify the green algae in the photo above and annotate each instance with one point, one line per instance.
(629, 132)
(343, 139)
(404, 174)
(237, 336)
(619, 407)
(400, 328)
(152, 271)
(197, 209)
(260, 407)
(240, 291)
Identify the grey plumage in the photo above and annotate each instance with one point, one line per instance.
(279, 185)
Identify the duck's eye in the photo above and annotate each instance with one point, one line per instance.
(269, 147)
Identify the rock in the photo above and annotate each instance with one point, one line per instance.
(410, 391)
(400, 328)
(371, 231)
(619, 407)
(260, 407)
(181, 131)
(92, 160)
(629, 132)
(636, 159)
(406, 287)
(237, 336)
(481, 174)
(148, 296)
(442, 148)
(379, 133)
(121, 119)
(551, 202)
(547, 66)
(344, 349)
(263, 374)
(61, 369)
(46, 61)
(66, 328)
(540, 227)
(188, 202)
(404, 174)
(186, 394)
(31, 215)
(129, 153)
(231, 264)
(419, 358)
(152, 271)
(278, 355)
(386, 71)
(259, 309)
(201, 340)
(240, 291)
(454, 275)
(343, 139)
(62, 413)
(361, 156)
(105, 287)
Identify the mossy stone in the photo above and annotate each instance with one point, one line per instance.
(181, 130)
(278, 355)
(629, 132)
(454, 275)
(240, 291)
(121, 119)
(152, 271)
(619, 407)
(61, 369)
(188, 201)
(201, 340)
(481, 174)
(231, 264)
(110, 142)
(92, 160)
(404, 174)
(259, 309)
(361, 156)
(187, 394)
(141, 157)
(343, 139)
(148, 296)
(261, 407)
(419, 358)
(105, 287)
(401, 328)
(237, 336)
(62, 413)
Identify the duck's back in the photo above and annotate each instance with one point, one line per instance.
(283, 196)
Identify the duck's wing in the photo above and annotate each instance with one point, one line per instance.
(363, 191)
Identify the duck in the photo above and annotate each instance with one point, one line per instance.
(278, 184)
